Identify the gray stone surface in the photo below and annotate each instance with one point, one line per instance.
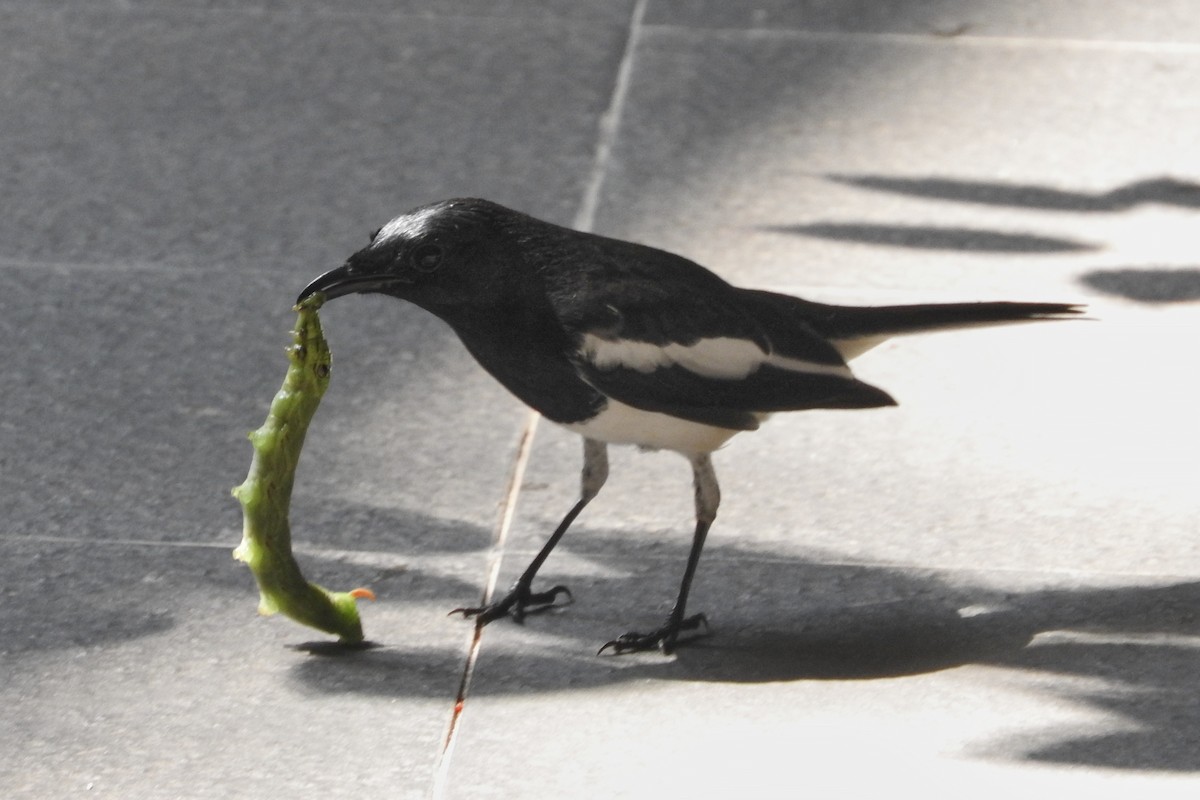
(993, 585)
(141, 671)
(984, 167)
(134, 391)
(538, 10)
(187, 138)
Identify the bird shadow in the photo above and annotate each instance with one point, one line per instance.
(776, 618)
(1126, 651)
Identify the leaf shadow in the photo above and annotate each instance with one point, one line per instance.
(1147, 284)
(1163, 190)
(925, 237)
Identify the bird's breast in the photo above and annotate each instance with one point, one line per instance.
(618, 423)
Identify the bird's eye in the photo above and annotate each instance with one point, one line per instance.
(375, 233)
(427, 257)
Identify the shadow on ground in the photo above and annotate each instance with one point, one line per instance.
(1126, 650)
(74, 593)
(927, 237)
(1163, 191)
(1147, 284)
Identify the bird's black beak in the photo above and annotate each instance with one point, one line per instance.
(340, 281)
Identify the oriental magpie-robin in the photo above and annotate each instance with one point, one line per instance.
(625, 344)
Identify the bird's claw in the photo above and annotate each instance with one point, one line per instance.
(663, 639)
(516, 604)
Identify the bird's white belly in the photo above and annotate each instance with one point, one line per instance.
(619, 423)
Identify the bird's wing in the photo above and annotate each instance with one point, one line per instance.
(706, 352)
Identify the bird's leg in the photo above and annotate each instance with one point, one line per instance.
(708, 497)
(521, 598)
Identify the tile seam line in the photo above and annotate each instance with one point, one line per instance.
(495, 561)
(126, 8)
(930, 39)
(585, 217)
(178, 271)
(610, 123)
(82, 540)
(113, 265)
(12, 539)
(902, 566)
(301, 548)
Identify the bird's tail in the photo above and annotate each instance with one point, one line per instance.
(842, 322)
(854, 330)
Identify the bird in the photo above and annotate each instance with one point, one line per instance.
(627, 344)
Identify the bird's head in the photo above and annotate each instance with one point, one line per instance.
(454, 253)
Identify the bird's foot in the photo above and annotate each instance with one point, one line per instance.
(519, 601)
(665, 638)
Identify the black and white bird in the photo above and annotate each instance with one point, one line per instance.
(626, 344)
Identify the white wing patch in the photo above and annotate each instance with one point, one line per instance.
(618, 423)
(721, 357)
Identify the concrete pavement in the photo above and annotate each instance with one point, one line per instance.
(992, 588)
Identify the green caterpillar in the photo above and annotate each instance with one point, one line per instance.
(266, 545)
